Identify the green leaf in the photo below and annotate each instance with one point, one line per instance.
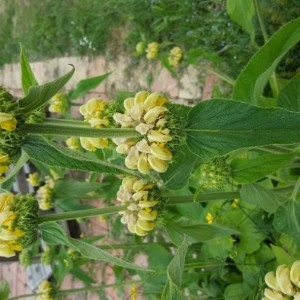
(53, 234)
(85, 85)
(237, 291)
(38, 95)
(71, 188)
(175, 271)
(217, 127)
(27, 76)
(289, 96)
(287, 220)
(249, 170)
(4, 290)
(179, 171)
(242, 13)
(199, 232)
(41, 150)
(282, 257)
(82, 275)
(259, 196)
(253, 78)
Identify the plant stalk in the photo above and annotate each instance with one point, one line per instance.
(76, 128)
(71, 215)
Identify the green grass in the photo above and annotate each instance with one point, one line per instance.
(52, 28)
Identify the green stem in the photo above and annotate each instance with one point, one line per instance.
(170, 200)
(76, 128)
(84, 289)
(273, 79)
(71, 215)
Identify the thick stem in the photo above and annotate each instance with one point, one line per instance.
(76, 128)
(71, 215)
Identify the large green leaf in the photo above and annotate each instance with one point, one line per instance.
(53, 234)
(196, 232)
(217, 127)
(242, 13)
(27, 76)
(289, 96)
(259, 196)
(85, 85)
(249, 170)
(52, 154)
(181, 168)
(253, 78)
(237, 291)
(38, 95)
(174, 272)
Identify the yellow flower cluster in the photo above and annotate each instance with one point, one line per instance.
(175, 56)
(152, 50)
(58, 103)
(209, 218)
(45, 291)
(145, 112)
(7, 121)
(142, 200)
(94, 112)
(9, 235)
(284, 283)
(44, 194)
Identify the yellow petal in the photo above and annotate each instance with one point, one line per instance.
(157, 164)
(140, 97)
(160, 152)
(86, 144)
(139, 185)
(128, 103)
(151, 100)
(146, 215)
(284, 282)
(145, 225)
(99, 143)
(140, 195)
(4, 158)
(154, 113)
(147, 204)
(295, 273)
(124, 120)
(132, 158)
(6, 250)
(271, 281)
(273, 295)
(158, 137)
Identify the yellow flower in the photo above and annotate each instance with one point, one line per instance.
(45, 291)
(152, 50)
(146, 113)
(7, 122)
(44, 195)
(58, 103)
(34, 179)
(175, 56)
(209, 218)
(133, 292)
(141, 211)
(18, 222)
